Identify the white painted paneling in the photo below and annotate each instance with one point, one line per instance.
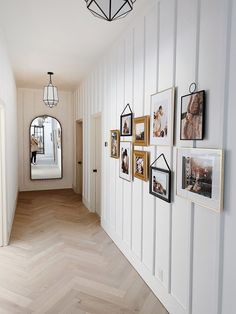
(175, 247)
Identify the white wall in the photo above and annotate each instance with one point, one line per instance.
(30, 105)
(177, 248)
(8, 100)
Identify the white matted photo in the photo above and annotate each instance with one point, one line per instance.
(125, 170)
(161, 118)
(200, 176)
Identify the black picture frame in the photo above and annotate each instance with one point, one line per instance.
(197, 116)
(167, 172)
(130, 117)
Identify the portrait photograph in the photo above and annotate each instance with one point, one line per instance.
(140, 164)
(161, 118)
(115, 143)
(141, 131)
(192, 116)
(125, 160)
(200, 176)
(126, 124)
(160, 183)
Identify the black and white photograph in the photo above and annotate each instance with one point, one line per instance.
(126, 127)
(126, 160)
(200, 176)
(160, 183)
(192, 116)
(115, 143)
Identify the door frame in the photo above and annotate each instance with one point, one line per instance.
(79, 121)
(3, 207)
(92, 160)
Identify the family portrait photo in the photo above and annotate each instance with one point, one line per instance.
(200, 176)
(126, 124)
(192, 116)
(126, 160)
(160, 180)
(141, 165)
(141, 131)
(115, 143)
(161, 118)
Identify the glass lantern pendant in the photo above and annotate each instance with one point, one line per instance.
(50, 96)
(110, 10)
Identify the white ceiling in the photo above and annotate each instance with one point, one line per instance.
(56, 35)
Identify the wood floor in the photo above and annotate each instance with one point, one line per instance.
(61, 261)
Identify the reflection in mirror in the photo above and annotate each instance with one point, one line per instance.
(45, 148)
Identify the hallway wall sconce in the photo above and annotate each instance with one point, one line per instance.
(50, 96)
(110, 10)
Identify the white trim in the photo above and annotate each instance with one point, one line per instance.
(3, 207)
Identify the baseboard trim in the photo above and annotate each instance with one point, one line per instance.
(168, 300)
(9, 228)
(86, 203)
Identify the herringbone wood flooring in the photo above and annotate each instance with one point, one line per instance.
(61, 261)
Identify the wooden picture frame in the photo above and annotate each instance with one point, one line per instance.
(192, 120)
(114, 144)
(160, 183)
(200, 176)
(140, 164)
(125, 167)
(141, 131)
(162, 117)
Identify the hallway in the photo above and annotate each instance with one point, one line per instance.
(61, 261)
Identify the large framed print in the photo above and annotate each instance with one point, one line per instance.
(125, 169)
(141, 131)
(160, 183)
(140, 162)
(115, 143)
(192, 116)
(200, 176)
(162, 117)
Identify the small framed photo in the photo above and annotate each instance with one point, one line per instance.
(141, 131)
(200, 176)
(126, 124)
(192, 116)
(140, 162)
(126, 160)
(161, 117)
(160, 183)
(115, 143)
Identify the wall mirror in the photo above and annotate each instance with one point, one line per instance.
(45, 148)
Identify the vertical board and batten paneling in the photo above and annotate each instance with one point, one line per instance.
(150, 83)
(166, 73)
(128, 68)
(138, 85)
(175, 247)
(120, 92)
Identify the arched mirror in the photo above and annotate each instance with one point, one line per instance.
(45, 148)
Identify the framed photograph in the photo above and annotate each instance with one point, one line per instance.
(115, 143)
(126, 124)
(140, 164)
(126, 160)
(141, 131)
(200, 176)
(161, 117)
(192, 116)
(160, 183)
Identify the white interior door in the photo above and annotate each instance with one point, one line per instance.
(79, 157)
(96, 149)
(3, 219)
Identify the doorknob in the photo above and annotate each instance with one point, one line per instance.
(95, 170)
(80, 162)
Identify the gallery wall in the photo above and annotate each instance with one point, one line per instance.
(8, 100)
(182, 250)
(30, 105)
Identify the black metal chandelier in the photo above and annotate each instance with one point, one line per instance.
(50, 96)
(110, 10)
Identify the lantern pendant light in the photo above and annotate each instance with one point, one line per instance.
(110, 10)
(50, 96)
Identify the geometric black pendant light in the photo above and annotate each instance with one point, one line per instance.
(110, 10)
(50, 95)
